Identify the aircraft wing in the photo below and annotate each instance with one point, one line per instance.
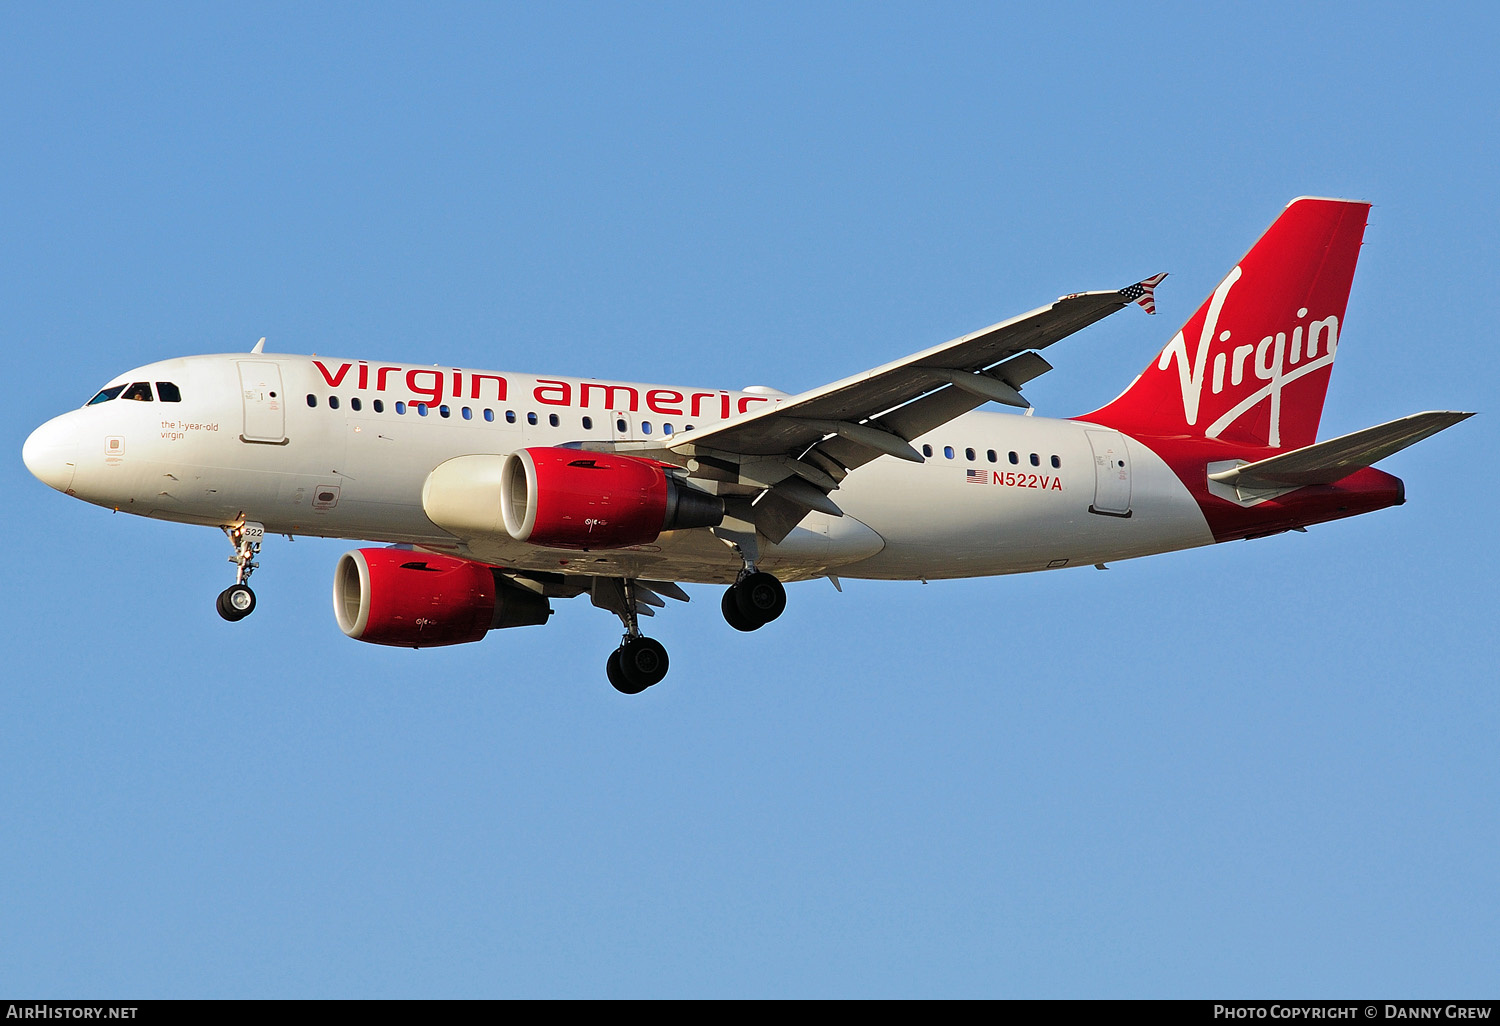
(790, 455)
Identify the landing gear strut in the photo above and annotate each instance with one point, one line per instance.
(237, 601)
(640, 661)
(753, 601)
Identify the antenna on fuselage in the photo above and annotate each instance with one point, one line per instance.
(259, 345)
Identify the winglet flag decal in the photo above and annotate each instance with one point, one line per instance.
(1144, 292)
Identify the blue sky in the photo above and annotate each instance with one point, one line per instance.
(1260, 769)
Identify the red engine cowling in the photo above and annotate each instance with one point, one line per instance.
(571, 499)
(421, 600)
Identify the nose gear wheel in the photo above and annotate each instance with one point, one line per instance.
(236, 602)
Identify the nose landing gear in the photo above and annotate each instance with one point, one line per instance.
(237, 601)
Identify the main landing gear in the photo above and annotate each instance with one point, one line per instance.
(237, 601)
(639, 662)
(753, 601)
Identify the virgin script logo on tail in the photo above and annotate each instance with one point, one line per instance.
(1274, 359)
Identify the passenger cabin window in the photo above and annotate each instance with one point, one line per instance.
(443, 410)
(531, 418)
(168, 392)
(379, 405)
(1056, 462)
(489, 415)
(992, 456)
(312, 400)
(969, 455)
(510, 416)
(111, 393)
(553, 419)
(140, 391)
(333, 402)
(468, 413)
(948, 452)
(354, 404)
(1014, 458)
(1036, 461)
(588, 423)
(400, 406)
(926, 450)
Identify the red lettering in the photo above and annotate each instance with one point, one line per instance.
(746, 400)
(475, 379)
(609, 395)
(458, 384)
(724, 405)
(332, 379)
(433, 393)
(1057, 484)
(546, 388)
(695, 410)
(364, 375)
(657, 396)
(380, 373)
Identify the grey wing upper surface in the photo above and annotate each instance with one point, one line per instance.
(775, 463)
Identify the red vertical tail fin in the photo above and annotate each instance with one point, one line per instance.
(1252, 365)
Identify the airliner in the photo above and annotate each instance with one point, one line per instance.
(494, 494)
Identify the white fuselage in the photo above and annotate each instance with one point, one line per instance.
(342, 449)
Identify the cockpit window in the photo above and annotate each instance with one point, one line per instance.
(139, 391)
(168, 392)
(106, 395)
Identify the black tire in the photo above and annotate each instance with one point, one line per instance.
(617, 676)
(761, 598)
(236, 602)
(732, 615)
(643, 662)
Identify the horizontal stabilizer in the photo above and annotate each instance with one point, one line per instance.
(1337, 458)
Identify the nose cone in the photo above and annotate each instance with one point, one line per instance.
(51, 453)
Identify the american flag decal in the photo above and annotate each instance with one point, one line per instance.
(977, 477)
(1144, 292)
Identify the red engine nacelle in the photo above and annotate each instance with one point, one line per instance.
(571, 499)
(420, 600)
